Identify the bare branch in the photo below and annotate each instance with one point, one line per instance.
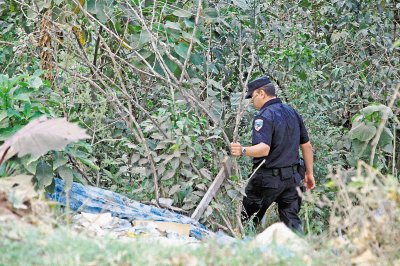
(196, 22)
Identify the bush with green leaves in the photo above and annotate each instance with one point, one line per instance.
(366, 138)
(24, 98)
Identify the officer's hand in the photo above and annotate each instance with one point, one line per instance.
(309, 181)
(236, 149)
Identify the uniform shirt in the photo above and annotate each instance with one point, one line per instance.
(282, 128)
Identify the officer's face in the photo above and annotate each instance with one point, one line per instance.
(257, 99)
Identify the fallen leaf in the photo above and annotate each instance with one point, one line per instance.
(40, 136)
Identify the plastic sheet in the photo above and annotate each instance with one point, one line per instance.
(96, 200)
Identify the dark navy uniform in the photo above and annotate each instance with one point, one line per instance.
(282, 128)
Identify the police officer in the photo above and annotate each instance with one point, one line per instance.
(278, 132)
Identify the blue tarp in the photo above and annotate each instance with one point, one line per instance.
(96, 200)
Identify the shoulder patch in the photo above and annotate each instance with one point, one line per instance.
(258, 124)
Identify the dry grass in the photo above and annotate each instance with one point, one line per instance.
(365, 217)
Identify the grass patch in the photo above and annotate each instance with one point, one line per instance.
(28, 245)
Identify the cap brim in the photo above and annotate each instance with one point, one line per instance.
(248, 95)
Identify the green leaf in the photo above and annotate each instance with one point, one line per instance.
(396, 44)
(243, 4)
(363, 132)
(168, 175)
(35, 82)
(386, 137)
(30, 164)
(233, 194)
(388, 148)
(89, 163)
(181, 49)
(175, 163)
(13, 113)
(67, 175)
(5, 133)
(182, 13)
(206, 173)
(210, 12)
(172, 25)
(213, 68)
(144, 37)
(172, 66)
(174, 189)
(42, 4)
(23, 97)
(44, 174)
(3, 114)
(57, 2)
(52, 187)
(91, 6)
(235, 98)
(101, 15)
(234, 178)
(27, 109)
(196, 59)
(187, 173)
(188, 23)
(360, 148)
(369, 110)
(59, 160)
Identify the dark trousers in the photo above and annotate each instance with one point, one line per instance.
(266, 187)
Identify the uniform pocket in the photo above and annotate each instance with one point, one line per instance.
(270, 182)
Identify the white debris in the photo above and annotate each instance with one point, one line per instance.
(280, 234)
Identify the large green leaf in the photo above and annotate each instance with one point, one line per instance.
(369, 110)
(44, 174)
(144, 37)
(181, 49)
(173, 67)
(363, 132)
(197, 59)
(211, 12)
(23, 97)
(30, 163)
(386, 137)
(172, 25)
(182, 13)
(67, 175)
(91, 6)
(360, 148)
(59, 159)
(102, 9)
(35, 82)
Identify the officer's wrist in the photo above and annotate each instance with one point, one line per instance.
(243, 149)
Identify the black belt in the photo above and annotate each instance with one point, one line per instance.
(278, 171)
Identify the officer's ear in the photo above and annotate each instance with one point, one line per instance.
(261, 92)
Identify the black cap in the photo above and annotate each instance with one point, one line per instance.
(255, 84)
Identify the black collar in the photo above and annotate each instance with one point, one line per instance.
(271, 102)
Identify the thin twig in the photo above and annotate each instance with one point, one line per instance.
(96, 49)
(7, 43)
(196, 22)
(226, 221)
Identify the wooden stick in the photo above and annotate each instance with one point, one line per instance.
(223, 172)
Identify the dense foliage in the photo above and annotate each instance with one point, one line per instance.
(159, 87)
